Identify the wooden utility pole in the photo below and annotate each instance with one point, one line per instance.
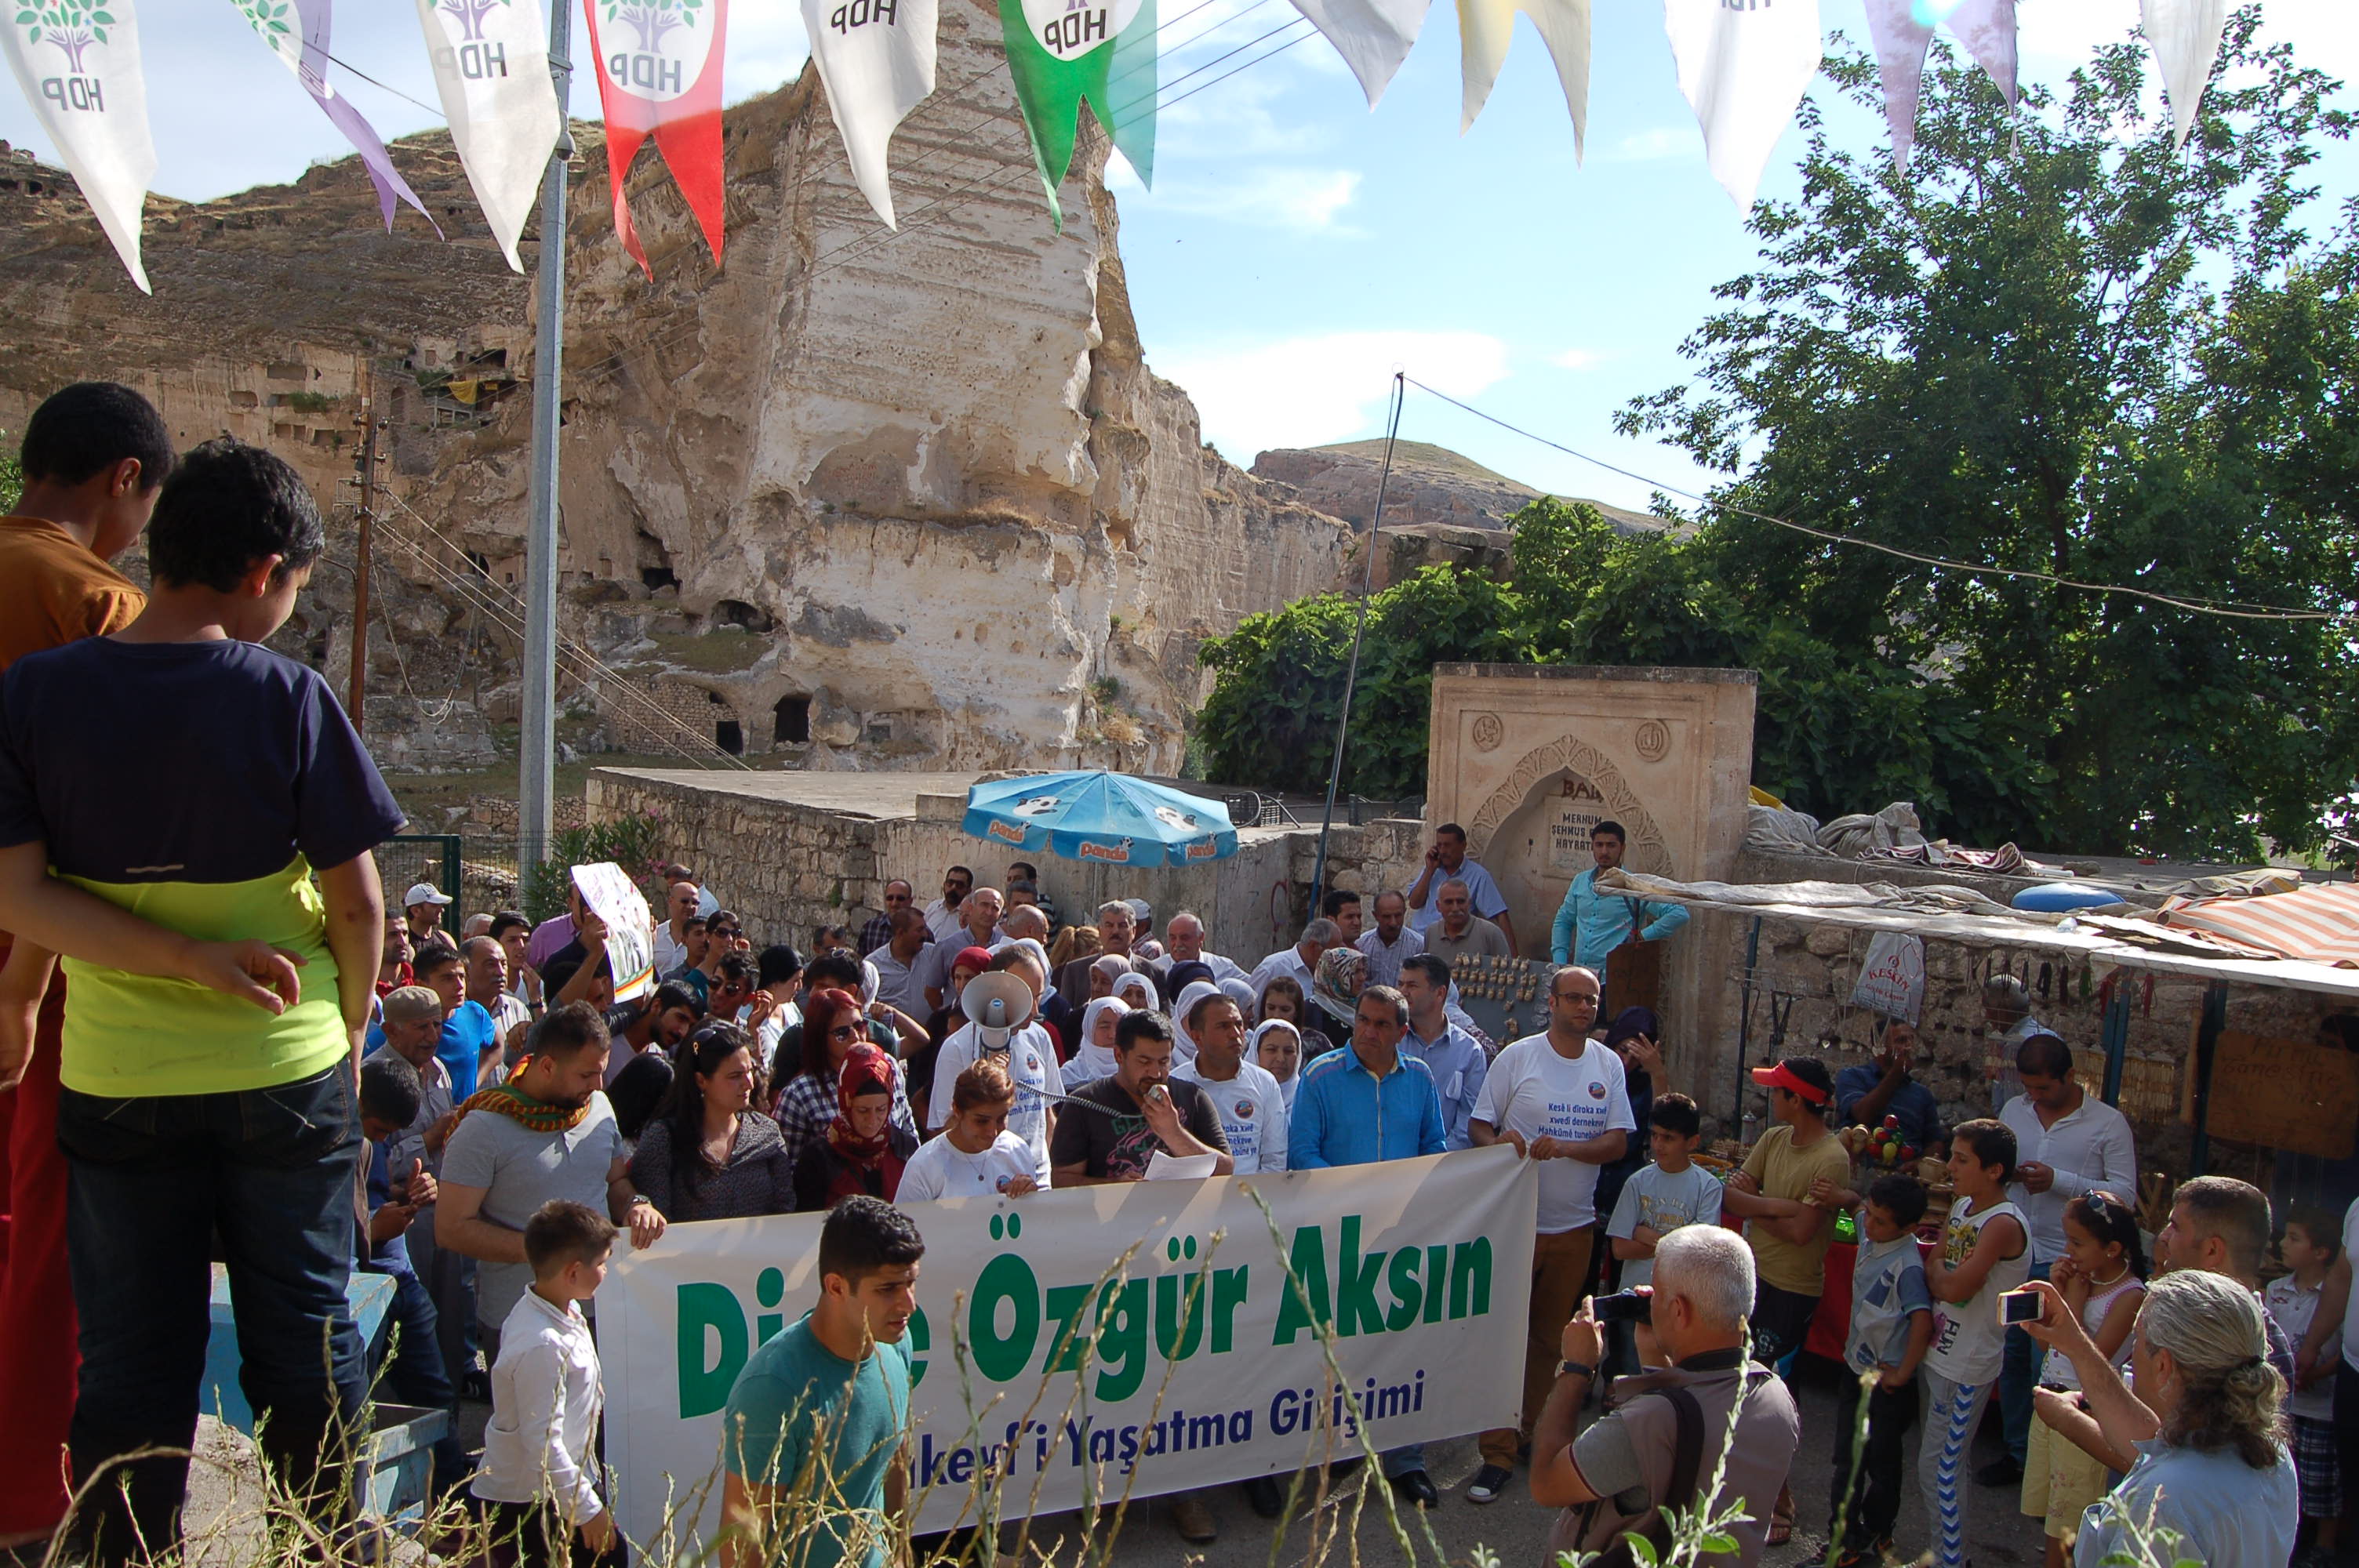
(359, 697)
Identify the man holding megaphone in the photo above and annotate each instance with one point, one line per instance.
(1002, 1006)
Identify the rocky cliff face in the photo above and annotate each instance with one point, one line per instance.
(856, 498)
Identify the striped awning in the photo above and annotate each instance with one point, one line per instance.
(2319, 923)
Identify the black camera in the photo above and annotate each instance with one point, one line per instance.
(1623, 1306)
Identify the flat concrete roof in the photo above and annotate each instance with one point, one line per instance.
(878, 796)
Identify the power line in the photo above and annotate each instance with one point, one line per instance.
(2192, 606)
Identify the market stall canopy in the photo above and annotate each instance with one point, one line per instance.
(1111, 819)
(2319, 924)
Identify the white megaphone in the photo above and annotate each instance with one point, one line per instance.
(999, 1004)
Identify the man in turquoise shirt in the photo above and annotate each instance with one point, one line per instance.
(1590, 924)
(814, 1432)
(1368, 1103)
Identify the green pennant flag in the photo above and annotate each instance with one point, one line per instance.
(1062, 51)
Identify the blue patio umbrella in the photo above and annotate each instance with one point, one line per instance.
(1109, 818)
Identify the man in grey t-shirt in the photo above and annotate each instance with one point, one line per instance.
(546, 1134)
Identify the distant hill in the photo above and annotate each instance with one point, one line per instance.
(1430, 486)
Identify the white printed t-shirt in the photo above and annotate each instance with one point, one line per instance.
(1533, 1091)
(940, 1169)
(1251, 1109)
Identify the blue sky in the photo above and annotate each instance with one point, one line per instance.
(1297, 247)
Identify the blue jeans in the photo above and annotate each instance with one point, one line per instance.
(1396, 1462)
(152, 1180)
(2018, 1374)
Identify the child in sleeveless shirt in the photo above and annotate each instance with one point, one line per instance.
(1986, 1252)
(2103, 1276)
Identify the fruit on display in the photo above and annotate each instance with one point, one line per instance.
(1885, 1146)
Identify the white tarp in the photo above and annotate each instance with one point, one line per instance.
(1421, 1265)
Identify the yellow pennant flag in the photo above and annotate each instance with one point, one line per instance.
(1486, 26)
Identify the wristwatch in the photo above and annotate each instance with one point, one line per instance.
(1574, 1369)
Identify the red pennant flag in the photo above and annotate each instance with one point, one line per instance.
(660, 76)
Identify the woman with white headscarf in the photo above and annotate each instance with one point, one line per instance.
(1136, 990)
(1240, 991)
(1093, 1057)
(1276, 1049)
(1184, 1043)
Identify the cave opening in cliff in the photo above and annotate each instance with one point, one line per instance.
(730, 736)
(792, 726)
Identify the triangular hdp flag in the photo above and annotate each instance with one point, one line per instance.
(2185, 38)
(301, 34)
(1902, 28)
(1484, 30)
(491, 65)
(878, 60)
(660, 65)
(79, 65)
(1373, 36)
(1744, 71)
(1062, 51)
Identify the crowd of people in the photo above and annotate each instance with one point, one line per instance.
(215, 1036)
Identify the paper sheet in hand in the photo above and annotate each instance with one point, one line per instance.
(1167, 1166)
(630, 925)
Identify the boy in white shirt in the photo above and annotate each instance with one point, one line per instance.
(540, 1464)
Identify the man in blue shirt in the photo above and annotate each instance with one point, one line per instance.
(1456, 1058)
(1871, 1091)
(1359, 1106)
(1590, 924)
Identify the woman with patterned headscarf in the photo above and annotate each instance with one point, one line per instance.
(1343, 974)
(863, 1151)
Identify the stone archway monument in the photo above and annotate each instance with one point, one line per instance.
(1528, 758)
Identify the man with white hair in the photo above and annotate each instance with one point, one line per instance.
(1298, 963)
(1183, 943)
(1618, 1477)
(1118, 926)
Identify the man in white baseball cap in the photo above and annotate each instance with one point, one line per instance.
(423, 904)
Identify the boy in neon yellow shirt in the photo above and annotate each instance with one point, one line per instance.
(166, 795)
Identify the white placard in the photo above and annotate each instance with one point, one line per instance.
(611, 895)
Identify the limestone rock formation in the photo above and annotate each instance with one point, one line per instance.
(854, 498)
(1429, 485)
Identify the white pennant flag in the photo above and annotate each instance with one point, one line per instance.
(79, 65)
(1373, 36)
(491, 65)
(1987, 29)
(1744, 71)
(2185, 38)
(876, 58)
(1484, 30)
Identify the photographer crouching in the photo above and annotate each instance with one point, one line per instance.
(1667, 1428)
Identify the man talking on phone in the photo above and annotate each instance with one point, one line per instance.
(1666, 1429)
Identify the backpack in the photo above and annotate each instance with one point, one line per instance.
(1687, 1465)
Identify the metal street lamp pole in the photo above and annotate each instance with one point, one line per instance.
(536, 774)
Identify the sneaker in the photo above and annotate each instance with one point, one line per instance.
(1416, 1486)
(1192, 1520)
(1488, 1483)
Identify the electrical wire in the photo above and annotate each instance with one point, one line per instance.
(2225, 608)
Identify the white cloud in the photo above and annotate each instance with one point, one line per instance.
(1650, 146)
(1305, 392)
(1576, 358)
(1300, 200)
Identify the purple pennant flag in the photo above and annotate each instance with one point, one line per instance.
(301, 43)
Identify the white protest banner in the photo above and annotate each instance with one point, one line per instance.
(878, 60)
(491, 67)
(1048, 1366)
(1743, 68)
(1892, 978)
(613, 898)
(79, 65)
(2185, 38)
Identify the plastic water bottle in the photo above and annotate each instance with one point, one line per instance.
(1846, 1227)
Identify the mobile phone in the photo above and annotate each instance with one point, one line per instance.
(1623, 1306)
(2022, 1306)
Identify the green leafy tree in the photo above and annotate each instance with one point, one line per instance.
(2059, 349)
(2054, 347)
